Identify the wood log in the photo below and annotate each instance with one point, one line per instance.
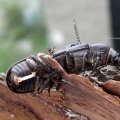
(81, 100)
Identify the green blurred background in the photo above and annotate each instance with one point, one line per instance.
(22, 30)
(31, 26)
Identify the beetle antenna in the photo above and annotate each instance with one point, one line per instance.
(51, 50)
(76, 31)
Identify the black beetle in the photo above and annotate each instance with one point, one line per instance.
(33, 74)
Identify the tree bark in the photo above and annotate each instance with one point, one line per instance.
(81, 100)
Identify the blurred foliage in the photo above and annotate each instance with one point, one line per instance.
(18, 39)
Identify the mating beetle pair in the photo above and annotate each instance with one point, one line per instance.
(33, 74)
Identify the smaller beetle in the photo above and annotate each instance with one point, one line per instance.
(31, 74)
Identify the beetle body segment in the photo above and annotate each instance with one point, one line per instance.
(20, 69)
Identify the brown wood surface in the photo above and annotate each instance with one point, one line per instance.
(80, 100)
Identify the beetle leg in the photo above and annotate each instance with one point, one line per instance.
(59, 85)
(45, 84)
(40, 88)
(83, 62)
(59, 82)
(95, 65)
(51, 83)
(83, 65)
(118, 61)
(69, 60)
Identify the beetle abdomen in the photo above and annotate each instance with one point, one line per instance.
(21, 69)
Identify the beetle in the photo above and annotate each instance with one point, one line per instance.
(33, 74)
(81, 57)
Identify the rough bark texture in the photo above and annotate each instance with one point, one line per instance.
(81, 100)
